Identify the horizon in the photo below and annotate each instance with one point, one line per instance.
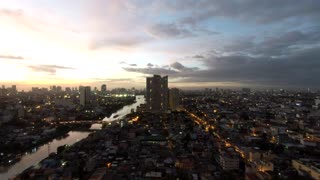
(28, 87)
(198, 44)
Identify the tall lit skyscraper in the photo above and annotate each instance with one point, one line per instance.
(103, 88)
(157, 93)
(85, 92)
(174, 99)
(13, 89)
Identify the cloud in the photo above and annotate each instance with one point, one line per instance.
(150, 65)
(160, 71)
(40, 23)
(124, 63)
(112, 79)
(283, 43)
(286, 71)
(125, 42)
(198, 56)
(249, 10)
(288, 59)
(299, 69)
(13, 13)
(177, 65)
(180, 67)
(11, 57)
(173, 69)
(51, 69)
(167, 31)
(276, 44)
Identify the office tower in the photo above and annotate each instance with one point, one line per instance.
(174, 99)
(157, 93)
(68, 90)
(104, 88)
(85, 92)
(59, 89)
(14, 88)
(95, 89)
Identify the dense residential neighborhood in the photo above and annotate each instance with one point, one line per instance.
(208, 134)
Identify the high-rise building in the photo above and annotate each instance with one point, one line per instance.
(68, 90)
(14, 88)
(157, 93)
(59, 89)
(95, 89)
(174, 99)
(103, 88)
(85, 92)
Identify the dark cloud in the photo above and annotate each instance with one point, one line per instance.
(276, 44)
(161, 71)
(173, 69)
(11, 57)
(180, 67)
(281, 44)
(297, 70)
(281, 59)
(261, 12)
(123, 63)
(150, 65)
(167, 31)
(51, 69)
(177, 65)
(241, 44)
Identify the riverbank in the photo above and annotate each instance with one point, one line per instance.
(33, 158)
(39, 133)
(52, 147)
(15, 151)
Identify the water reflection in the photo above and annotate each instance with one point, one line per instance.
(125, 110)
(121, 113)
(37, 154)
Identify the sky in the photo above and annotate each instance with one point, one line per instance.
(197, 43)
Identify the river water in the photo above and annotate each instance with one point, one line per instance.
(40, 153)
(43, 151)
(125, 110)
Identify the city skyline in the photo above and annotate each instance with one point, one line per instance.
(196, 43)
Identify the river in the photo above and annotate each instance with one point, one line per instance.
(125, 110)
(43, 151)
(40, 153)
(121, 113)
